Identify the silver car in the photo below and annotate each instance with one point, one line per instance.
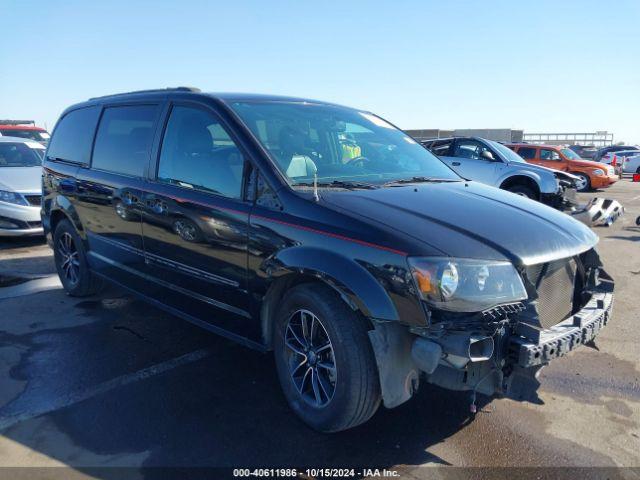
(629, 160)
(20, 186)
(492, 163)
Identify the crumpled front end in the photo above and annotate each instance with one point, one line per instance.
(500, 351)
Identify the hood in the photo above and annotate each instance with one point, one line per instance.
(21, 179)
(588, 164)
(469, 220)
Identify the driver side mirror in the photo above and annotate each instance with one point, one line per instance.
(487, 155)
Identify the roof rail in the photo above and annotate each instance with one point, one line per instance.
(17, 122)
(154, 90)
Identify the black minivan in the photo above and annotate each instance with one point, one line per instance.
(322, 233)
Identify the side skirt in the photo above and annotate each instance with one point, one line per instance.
(196, 321)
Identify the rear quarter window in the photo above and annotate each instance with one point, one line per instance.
(528, 153)
(73, 135)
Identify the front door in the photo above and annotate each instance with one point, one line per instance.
(195, 221)
(472, 159)
(551, 159)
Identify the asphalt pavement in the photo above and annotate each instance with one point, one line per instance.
(109, 381)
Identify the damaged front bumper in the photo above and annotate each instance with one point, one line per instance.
(502, 359)
(542, 346)
(596, 212)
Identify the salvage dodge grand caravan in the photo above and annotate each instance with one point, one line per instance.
(324, 234)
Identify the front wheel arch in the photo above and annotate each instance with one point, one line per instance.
(284, 284)
(524, 181)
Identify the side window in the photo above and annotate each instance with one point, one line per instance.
(72, 137)
(124, 139)
(197, 152)
(441, 148)
(528, 153)
(470, 149)
(546, 154)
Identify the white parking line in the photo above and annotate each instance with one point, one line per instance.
(101, 388)
(51, 282)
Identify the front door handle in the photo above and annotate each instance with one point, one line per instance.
(456, 164)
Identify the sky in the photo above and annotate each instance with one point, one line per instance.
(541, 66)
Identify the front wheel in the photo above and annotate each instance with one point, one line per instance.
(324, 359)
(71, 262)
(583, 183)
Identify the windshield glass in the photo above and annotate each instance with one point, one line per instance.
(340, 144)
(19, 155)
(570, 154)
(506, 152)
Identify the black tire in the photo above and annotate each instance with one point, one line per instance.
(638, 170)
(356, 389)
(586, 182)
(523, 190)
(82, 282)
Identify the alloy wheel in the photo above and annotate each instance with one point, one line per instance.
(69, 258)
(581, 183)
(310, 358)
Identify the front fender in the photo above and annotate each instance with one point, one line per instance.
(352, 280)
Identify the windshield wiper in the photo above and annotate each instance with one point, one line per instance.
(419, 180)
(349, 184)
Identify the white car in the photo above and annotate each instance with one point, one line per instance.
(630, 160)
(20, 186)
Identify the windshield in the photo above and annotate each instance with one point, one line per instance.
(506, 152)
(19, 155)
(340, 144)
(570, 154)
(36, 135)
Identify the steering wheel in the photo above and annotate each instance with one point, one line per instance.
(361, 161)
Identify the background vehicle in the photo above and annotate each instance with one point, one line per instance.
(592, 174)
(614, 160)
(20, 186)
(613, 148)
(492, 163)
(341, 244)
(584, 151)
(630, 161)
(23, 129)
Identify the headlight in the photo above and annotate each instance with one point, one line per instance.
(598, 172)
(12, 197)
(466, 285)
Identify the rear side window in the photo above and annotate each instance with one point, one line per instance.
(527, 153)
(124, 139)
(73, 135)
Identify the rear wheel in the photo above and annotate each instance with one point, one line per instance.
(523, 190)
(325, 360)
(583, 183)
(71, 262)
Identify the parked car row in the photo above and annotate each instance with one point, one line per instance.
(20, 186)
(325, 234)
